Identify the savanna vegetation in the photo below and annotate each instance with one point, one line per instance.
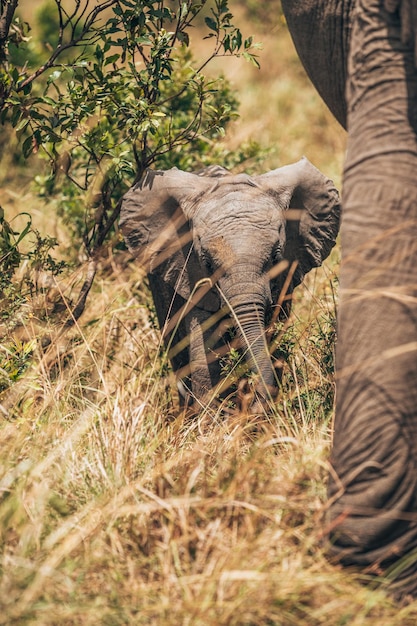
(115, 507)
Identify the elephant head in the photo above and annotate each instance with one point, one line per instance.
(241, 233)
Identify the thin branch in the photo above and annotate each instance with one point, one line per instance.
(75, 41)
(110, 222)
(6, 19)
(77, 21)
(95, 12)
(78, 310)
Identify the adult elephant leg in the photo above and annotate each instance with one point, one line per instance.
(320, 31)
(373, 484)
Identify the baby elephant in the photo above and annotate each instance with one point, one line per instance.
(226, 250)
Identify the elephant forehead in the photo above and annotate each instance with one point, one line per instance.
(238, 207)
(233, 248)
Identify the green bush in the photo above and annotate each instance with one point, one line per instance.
(102, 91)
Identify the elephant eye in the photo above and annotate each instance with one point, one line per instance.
(277, 252)
(208, 261)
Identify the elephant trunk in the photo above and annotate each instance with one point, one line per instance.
(249, 319)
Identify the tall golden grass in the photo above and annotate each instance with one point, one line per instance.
(115, 508)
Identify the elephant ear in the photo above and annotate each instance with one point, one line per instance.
(313, 209)
(154, 222)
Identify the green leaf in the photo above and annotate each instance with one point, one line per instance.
(22, 124)
(52, 78)
(48, 100)
(144, 40)
(184, 38)
(27, 147)
(112, 59)
(24, 232)
(251, 58)
(212, 24)
(14, 100)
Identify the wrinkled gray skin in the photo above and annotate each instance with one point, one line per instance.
(360, 56)
(225, 245)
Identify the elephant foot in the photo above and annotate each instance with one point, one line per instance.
(372, 520)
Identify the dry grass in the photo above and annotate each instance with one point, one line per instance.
(118, 509)
(115, 508)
